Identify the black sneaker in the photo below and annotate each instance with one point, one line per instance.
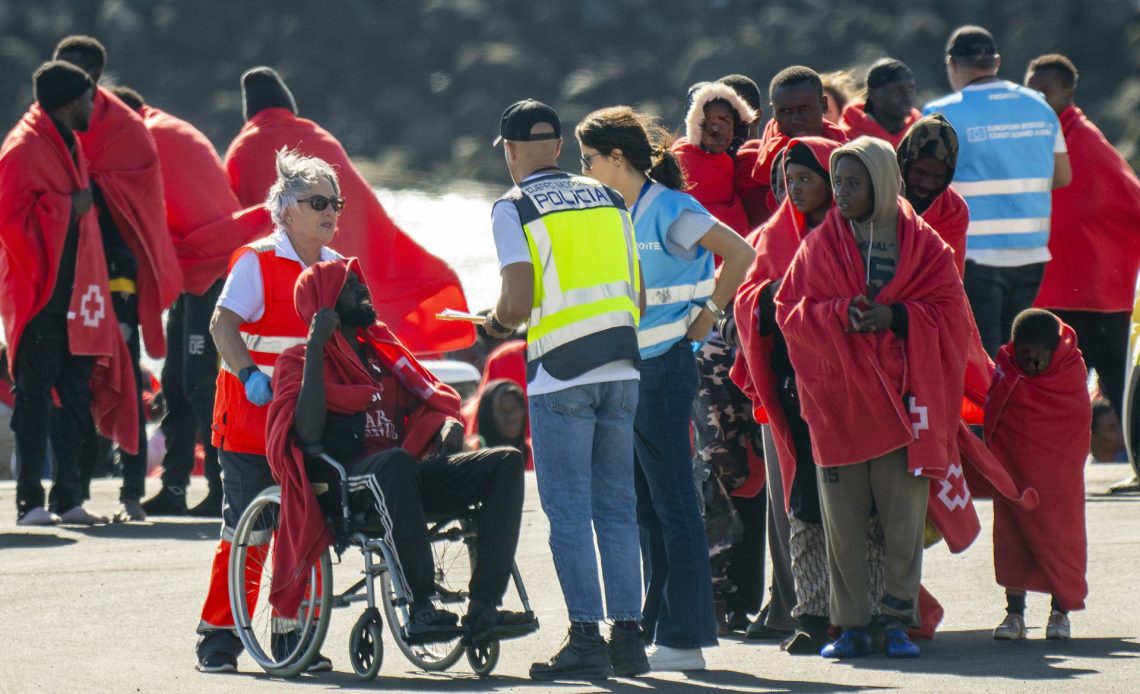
(319, 664)
(493, 624)
(430, 625)
(218, 661)
(210, 507)
(627, 652)
(169, 501)
(583, 657)
(284, 644)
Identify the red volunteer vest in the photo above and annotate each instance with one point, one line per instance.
(239, 425)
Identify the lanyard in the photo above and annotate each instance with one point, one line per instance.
(640, 197)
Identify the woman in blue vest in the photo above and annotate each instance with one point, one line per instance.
(676, 242)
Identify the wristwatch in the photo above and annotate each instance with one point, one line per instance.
(499, 327)
(245, 373)
(712, 308)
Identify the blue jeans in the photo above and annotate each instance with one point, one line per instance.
(678, 595)
(583, 459)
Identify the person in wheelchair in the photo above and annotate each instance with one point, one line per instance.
(353, 391)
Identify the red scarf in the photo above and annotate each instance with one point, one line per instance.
(303, 533)
(412, 285)
(776, 243)
(711, 178)
(206, 221)
(772, 142)
(1095, 238)
(37, 178)
(866, 394)
(950, 216)
(124, 164)
(1039, 427)
(856, 122)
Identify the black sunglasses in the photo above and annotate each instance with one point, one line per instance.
(320, 202)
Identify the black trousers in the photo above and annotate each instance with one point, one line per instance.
(997, 295)
(746, 558)
(44, 362)
(1103, 339)
(189, 382)
(399, 491)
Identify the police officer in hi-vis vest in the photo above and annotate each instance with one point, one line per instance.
(569, 268)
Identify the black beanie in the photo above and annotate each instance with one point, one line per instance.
(801, 154)
(887, 71)
(262, 88)
(58, 83)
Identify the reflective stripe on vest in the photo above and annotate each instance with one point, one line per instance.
(586, 275)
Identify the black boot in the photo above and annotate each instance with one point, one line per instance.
(627, 652)
(210, 507)
(169, 501)
(809, 638)
(583, 657)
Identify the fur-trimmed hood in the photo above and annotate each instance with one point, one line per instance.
(711, 92)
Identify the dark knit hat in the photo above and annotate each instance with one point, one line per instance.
(58, 83)
(262, 88)
(801, 154)
(887, 71)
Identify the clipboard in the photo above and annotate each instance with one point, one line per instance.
(450, 314)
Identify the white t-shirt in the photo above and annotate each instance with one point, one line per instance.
(244, 292)
(511, 246)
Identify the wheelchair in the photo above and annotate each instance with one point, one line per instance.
(285, 646)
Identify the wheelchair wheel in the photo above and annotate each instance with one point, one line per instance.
(282, 646)
(483, 658)
(454, 559)
(366, 645)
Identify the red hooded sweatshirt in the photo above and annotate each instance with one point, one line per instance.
(412, 285)
(1039, 427)
(771, 143)
(1095, 237)
(349, 388)
(206, 221)
(124, 165)
(37, 178)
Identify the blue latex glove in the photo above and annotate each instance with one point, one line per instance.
(257, 389)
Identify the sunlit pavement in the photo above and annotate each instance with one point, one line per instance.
(113, 609)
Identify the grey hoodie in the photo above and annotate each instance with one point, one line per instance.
(886, 184)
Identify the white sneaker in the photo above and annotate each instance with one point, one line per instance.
(81, 516)
(38, 516)
(668, 659)
(1012, 628)
(1058, 627)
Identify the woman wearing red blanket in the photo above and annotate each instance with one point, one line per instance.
(1038, 420)
(871, 295)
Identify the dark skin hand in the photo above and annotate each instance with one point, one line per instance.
(81, 202)
(866, 316)
(449, 440)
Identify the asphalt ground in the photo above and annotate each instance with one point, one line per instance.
(113, 609)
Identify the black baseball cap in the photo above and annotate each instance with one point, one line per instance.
(521, 116)
(971, 40)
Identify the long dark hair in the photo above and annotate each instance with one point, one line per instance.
(644, 143)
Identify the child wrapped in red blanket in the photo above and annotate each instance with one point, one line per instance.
(1038, 420)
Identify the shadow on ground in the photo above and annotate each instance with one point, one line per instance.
(197, 529)
(976, 654)
(33, 540)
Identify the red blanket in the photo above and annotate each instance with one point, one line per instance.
(772, 142)
(206, 221)
(752, 196)
(856, 122)
(1039, 427)
(411, 284)
(901, 392)
(949, 216)
(303, 534)
(37, 178)
(776, 243)
(124, 164)
(712, 181)
(1095, 238)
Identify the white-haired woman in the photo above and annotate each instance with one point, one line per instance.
(253, 323)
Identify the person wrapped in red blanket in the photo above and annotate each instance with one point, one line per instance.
(715, 112)
(928, 156)
(798, 104)
(1038, 419)
(355, 392)
(412, 285)
(207, 226)
(870, 295)
(55, 301)
(888, 111)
